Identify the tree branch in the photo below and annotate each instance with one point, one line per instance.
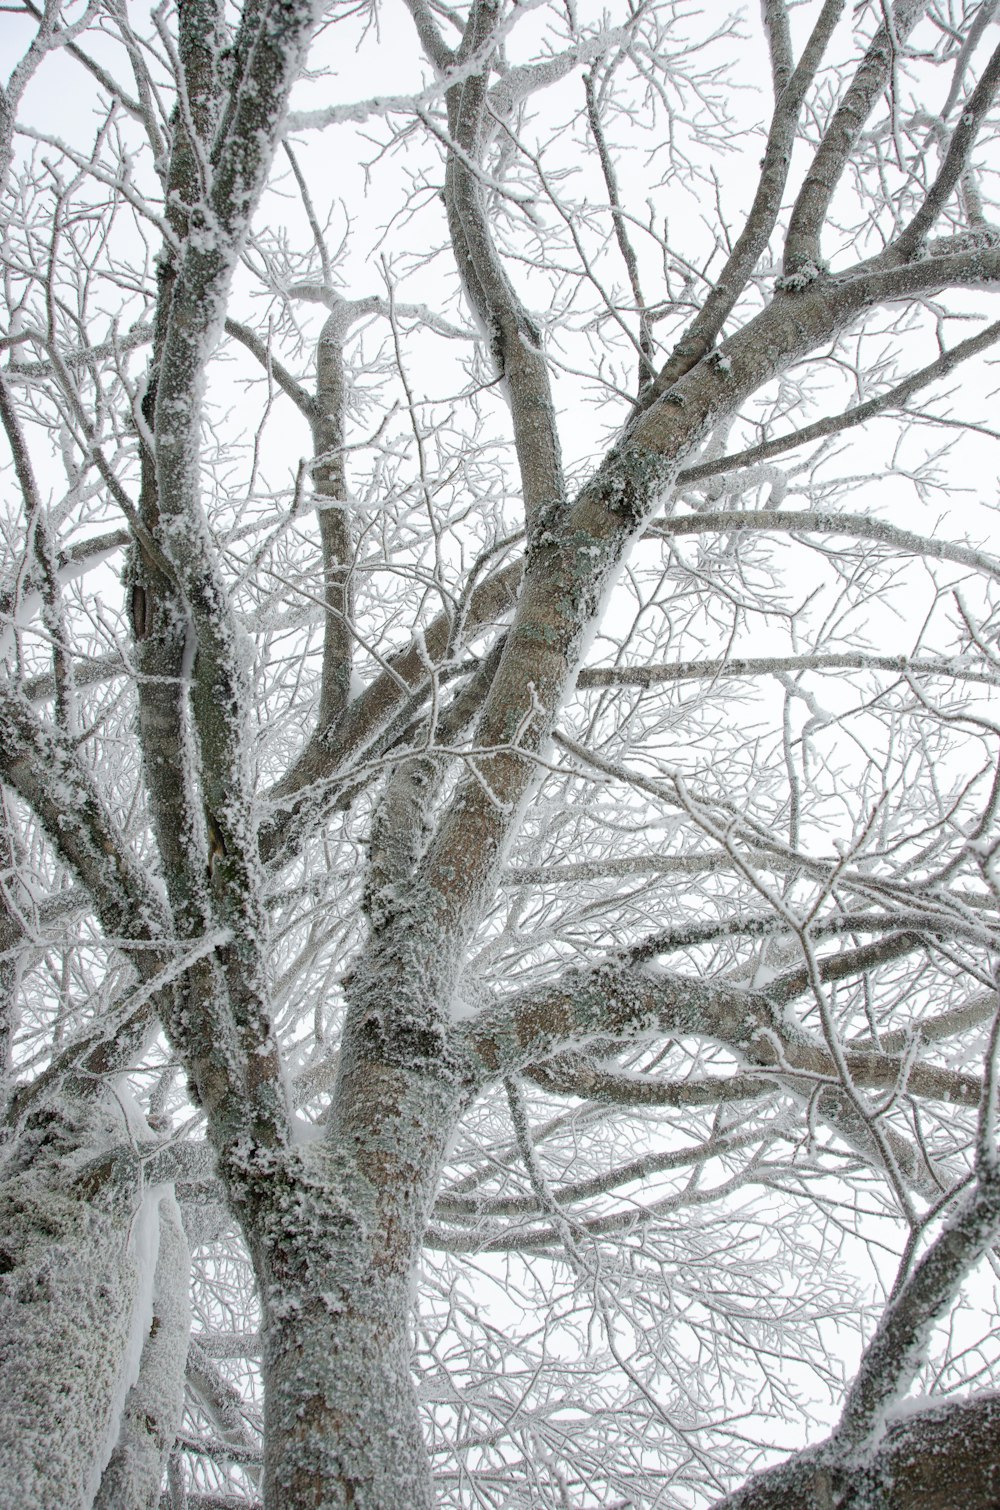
(703, 331)
(772, 665)
(911, 241)
(857, 1460)
(515, 340)
(646, 344)
(299, 396)
(308, 787)
(803, 258)
(814, 522)
(894, 398)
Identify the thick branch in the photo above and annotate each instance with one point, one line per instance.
(930, 1459)
(627, 1002)
(893, 398)
(568, 572)
(38, 762)
(268, 56)
(430, 38)
(624, 1003)
(330, 482)
(853, 1467)
(515, 340)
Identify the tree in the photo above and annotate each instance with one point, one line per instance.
(498, 993)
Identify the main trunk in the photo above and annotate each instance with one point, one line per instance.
(341, 1421)
(335, 1229)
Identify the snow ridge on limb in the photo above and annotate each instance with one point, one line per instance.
(869, 1460)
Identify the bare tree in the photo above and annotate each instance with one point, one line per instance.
(500, 757)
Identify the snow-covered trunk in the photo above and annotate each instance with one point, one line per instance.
(335, 1231)
(153, 1406)
(78, 1246)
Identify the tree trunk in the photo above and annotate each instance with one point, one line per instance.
(341, 1422)
(335, 1230)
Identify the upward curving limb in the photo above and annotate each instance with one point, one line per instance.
(565, 577)
(514, 338)
(803, 255)
(862, 1464)
(911, 241)
(790, 91)
(219, 165)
